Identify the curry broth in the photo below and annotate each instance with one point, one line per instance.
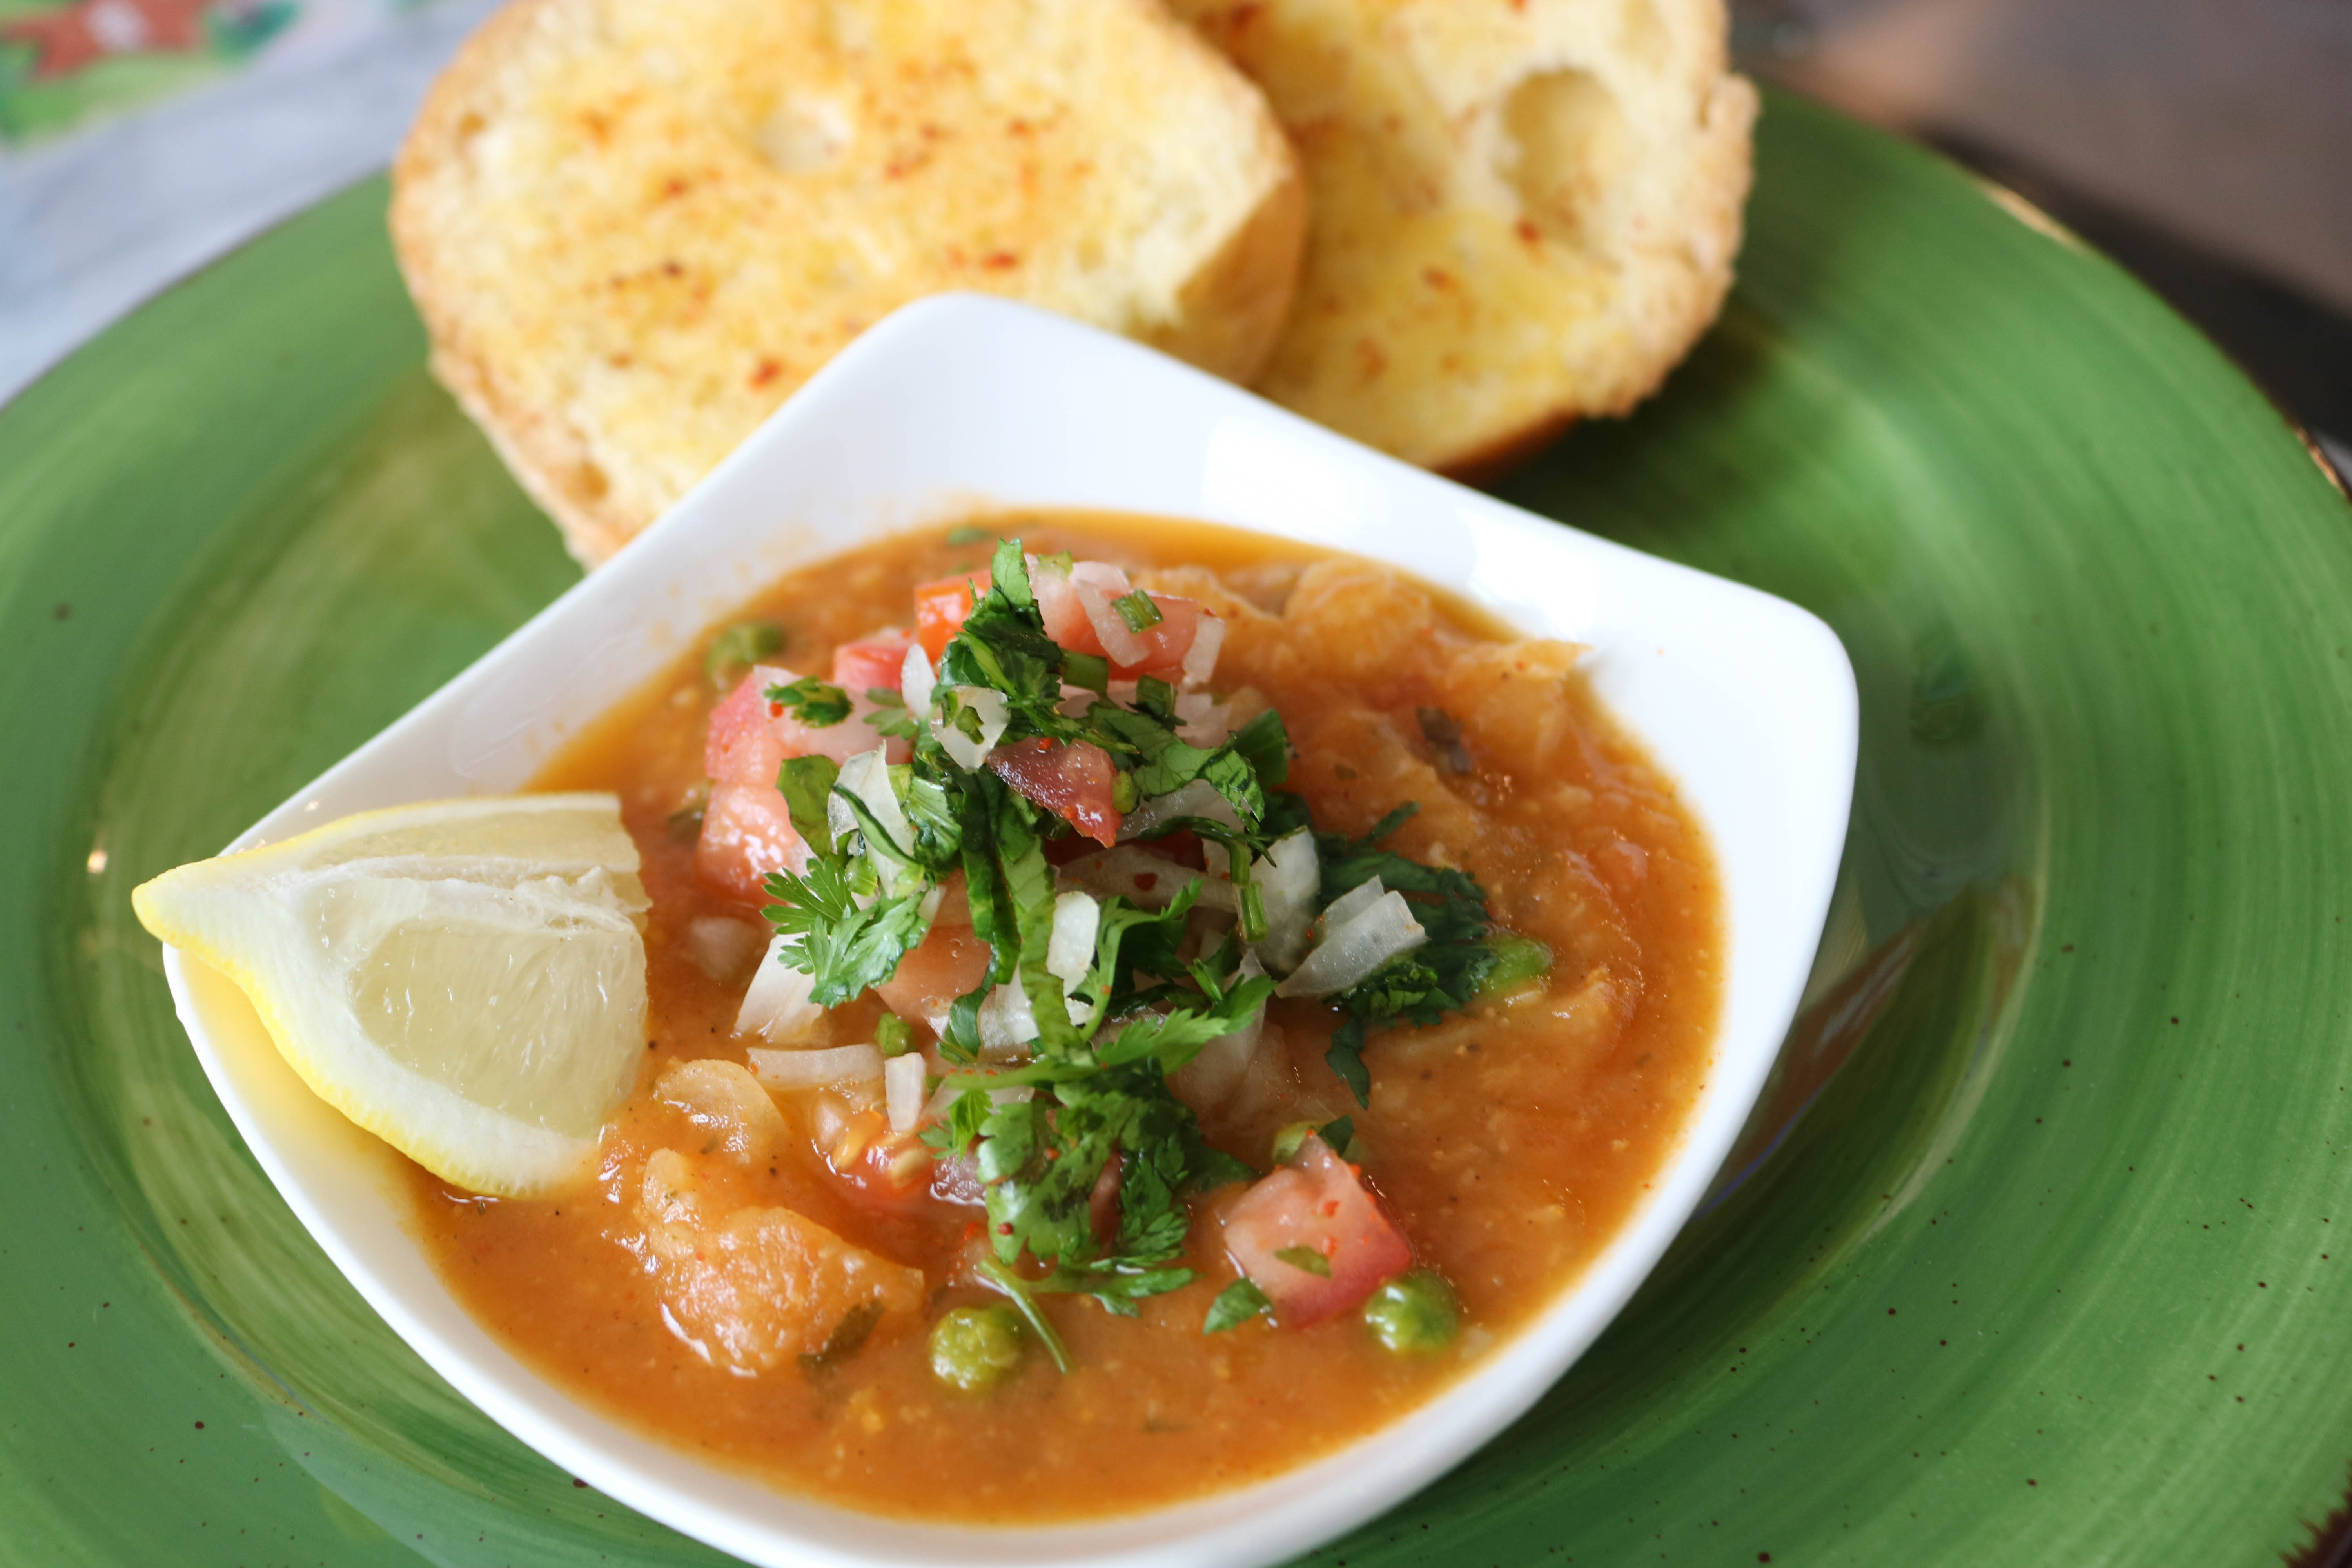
(1511, 1141)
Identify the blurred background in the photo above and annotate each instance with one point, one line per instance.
(2206, 145)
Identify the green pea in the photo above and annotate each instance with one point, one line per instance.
(976, 1347)
(1414, 1314)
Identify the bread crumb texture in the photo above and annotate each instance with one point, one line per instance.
(634, 226)
(1523, 211)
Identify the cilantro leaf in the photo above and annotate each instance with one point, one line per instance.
(1442, 975)
(890, 716)
(1017, 1291)
(1174, 1040)
(1265, 744)
(806, 783)
(1345, 1057)
(845, 948)
(848, 1337)
(1306, 1259)
(1236, 1304)
(819, 704)
(739, 647)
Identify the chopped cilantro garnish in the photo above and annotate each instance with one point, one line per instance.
(890, 716)
(1306, 1259)
(1440, 976)
(819, 704)
(807, 784)
(965, 534)
(848, 1337)
(1136, 610)
(739, 647)
(1517, 960)
(1236, 1304)
(685, 824)
(1095, 1118)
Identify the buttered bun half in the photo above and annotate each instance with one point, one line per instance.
(634, 226)
(1523, 211)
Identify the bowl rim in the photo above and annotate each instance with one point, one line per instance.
(988, 390)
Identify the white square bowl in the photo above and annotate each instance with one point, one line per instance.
(959, 404)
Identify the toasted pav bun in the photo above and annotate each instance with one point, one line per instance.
(1523, 211)
(634, 226)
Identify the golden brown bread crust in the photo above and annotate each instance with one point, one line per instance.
(1523, 213)
(634, 226)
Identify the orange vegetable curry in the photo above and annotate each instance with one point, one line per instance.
(794, 1268)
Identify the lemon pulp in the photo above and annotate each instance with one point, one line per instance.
(465, 979)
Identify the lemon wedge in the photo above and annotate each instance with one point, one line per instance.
(465, 979)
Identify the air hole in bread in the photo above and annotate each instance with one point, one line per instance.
(803, 135)
(1564, 147)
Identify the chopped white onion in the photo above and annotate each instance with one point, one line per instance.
(1197, 798)
(816, 1069)
(1015, 1094)
(1205, 1081)
(867, 775)
(1128, 871)
(1007, 1023)
(722, 948)
(902, 1089)
(1201, 720)
(1287, 877)
(941, 1098)
(1201, 658)
(1122, 645)
(1352, 903)
(777, 1007)
(1112, 580)
(917, 682)
(1354, 948)
(1070, 952)
(990, 705)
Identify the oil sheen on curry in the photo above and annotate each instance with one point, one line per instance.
(1134, 1006)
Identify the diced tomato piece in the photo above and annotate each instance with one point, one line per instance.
(1073, 782)
(1319, 1203)
(1157, 650)
(950, 962)
(840, 742)
(1167, 642)
(747, 833)
(740, 745)
(941, 608)
(878, 661)
(1066, 617)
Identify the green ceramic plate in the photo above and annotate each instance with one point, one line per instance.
(2037, 1253)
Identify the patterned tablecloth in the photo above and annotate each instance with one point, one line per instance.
(140, 137)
